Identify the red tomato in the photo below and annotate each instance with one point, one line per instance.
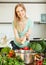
(10, 54)
(26, 48)
(39, 63)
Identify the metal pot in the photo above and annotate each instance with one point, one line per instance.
(28, 57)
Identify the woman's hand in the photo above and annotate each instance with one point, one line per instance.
(28, 34)
(23, 39)
(19, 40)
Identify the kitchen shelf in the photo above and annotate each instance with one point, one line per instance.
(24, 2)
(5, 23)
(39, 22)
(11, 22)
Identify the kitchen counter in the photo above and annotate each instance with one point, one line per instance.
(36, 39)
(3, 45)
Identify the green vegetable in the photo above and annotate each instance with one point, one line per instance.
(4, 60)
(18, 61)
(0, 60)
(5, 50)
(43, 44)
(44, 61)
(36, 46)
(39, 46)
(10, 61)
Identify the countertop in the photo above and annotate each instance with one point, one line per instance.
(36, 39)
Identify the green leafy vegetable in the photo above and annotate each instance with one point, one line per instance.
(36, 46)
(4, 60)
(5, 50)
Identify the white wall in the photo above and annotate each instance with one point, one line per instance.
(7, 30)
(45, 32)
(33, 11)
(39, 31)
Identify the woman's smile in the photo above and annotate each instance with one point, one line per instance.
(20, 12)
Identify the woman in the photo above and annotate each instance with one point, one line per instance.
(22, 27)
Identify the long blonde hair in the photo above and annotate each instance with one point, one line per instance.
(16, 18)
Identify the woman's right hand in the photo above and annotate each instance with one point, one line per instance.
(21, 40)
(18, 40)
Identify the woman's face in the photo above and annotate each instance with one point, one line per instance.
(20, 12)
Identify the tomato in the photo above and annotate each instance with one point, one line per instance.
(26, 48)
(11, 53)
(39, 63)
